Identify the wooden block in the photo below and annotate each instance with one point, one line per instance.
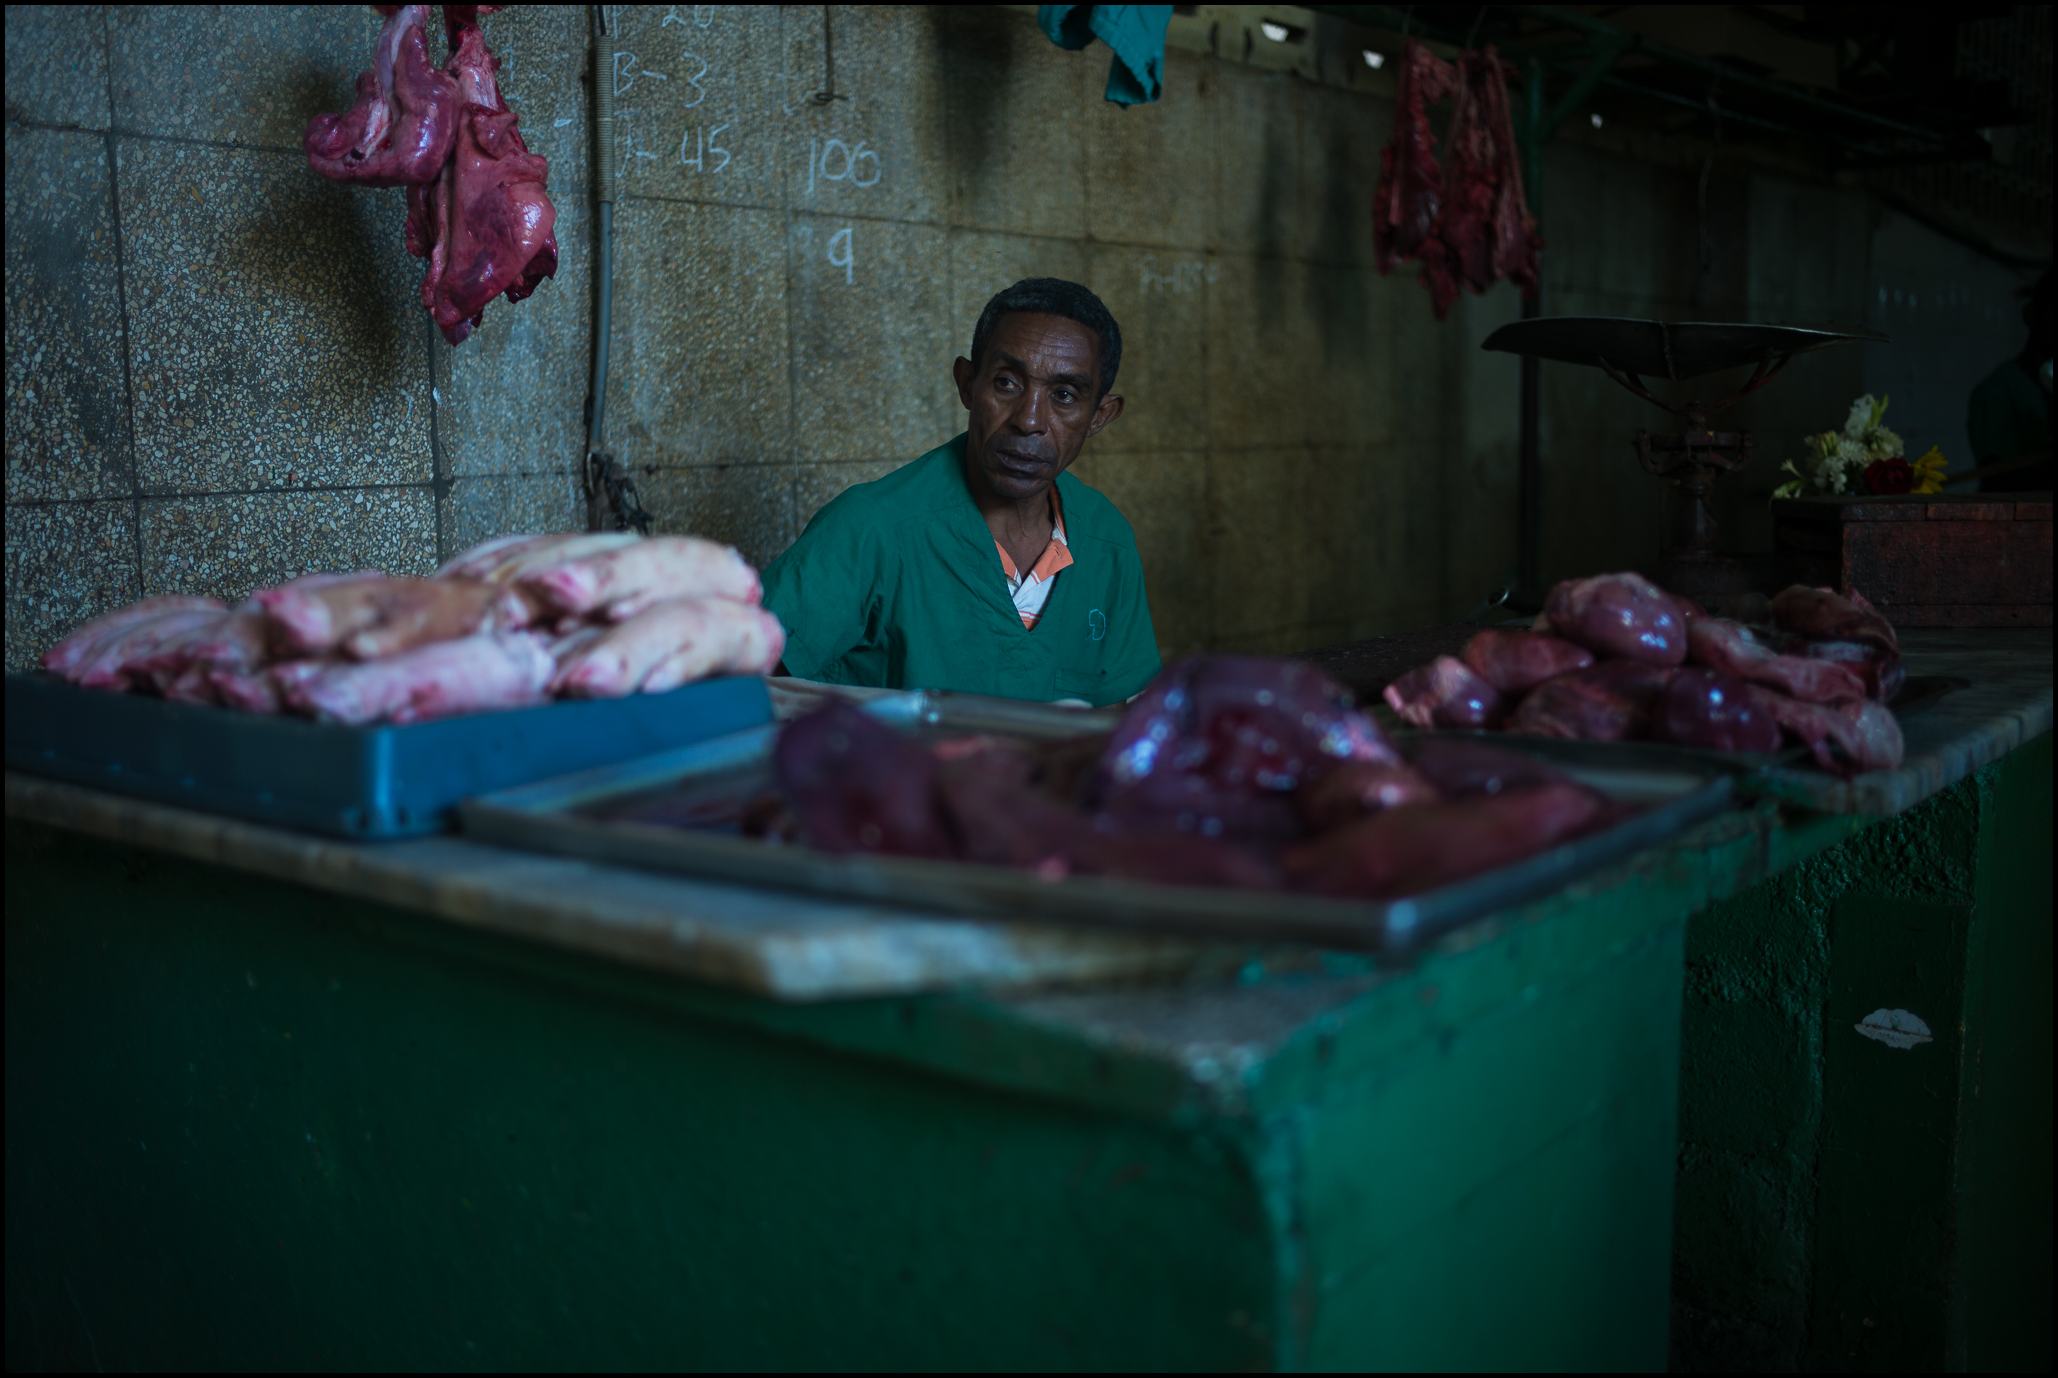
(1839, 511)
(1951, 562)
(1969, 614)
(1971, 511)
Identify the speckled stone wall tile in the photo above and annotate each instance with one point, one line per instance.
(1159, 298)
(1260, 353)
(749, 506)
(1482, 438)
(276, 333)
(700, 371)
(1003, 76)
(241, 74)
(66, 562)
(1341, 135)
(699, 103)
(1150, 174)
(982, 264)
(1257, 163)
(1346, 333)
(873, 342)
(513, 396)
(1164, 496)
(815, 484)
(545, 66)
(1262, 566)
(57, 65)
(67, 406)
(478, 509)
(879, 147)
(224, 546)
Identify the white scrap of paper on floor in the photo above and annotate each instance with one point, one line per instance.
(1895, 1028)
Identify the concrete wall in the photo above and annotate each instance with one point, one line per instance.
(218, 374)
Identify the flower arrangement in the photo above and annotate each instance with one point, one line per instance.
(1867, 454)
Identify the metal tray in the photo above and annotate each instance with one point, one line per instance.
(362, 783)
(554, 817)
(1677, 351)
(1791, 776)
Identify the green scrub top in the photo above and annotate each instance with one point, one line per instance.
(2009, 417)
(897, 584)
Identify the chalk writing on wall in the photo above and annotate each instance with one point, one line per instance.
(1177, 279)
(833, 160)
(696, 146)
(846, 263)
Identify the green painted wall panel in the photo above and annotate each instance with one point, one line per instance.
(2003, 1171)
(1572, 1226)
(273, 1127)
(315, 1142)
(1842, 1203)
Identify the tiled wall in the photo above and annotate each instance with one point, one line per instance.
(218, 373)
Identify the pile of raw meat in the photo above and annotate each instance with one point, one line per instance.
(506, 625)
(477, 209)
(1616, 658)
(1227, 771)
(1470, 226)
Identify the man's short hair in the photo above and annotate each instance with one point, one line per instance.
(1056, 297)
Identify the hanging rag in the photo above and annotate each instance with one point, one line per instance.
(1135, 32)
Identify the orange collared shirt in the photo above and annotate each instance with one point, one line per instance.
(1032, 591)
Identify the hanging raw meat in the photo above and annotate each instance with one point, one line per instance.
(400, 131)
(478, 208)
(486, 226)
(1468, 225)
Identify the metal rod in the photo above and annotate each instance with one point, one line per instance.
(1387, 17)
(1637, 43)
(1602, 54)
(591, 479)
(1529, 462)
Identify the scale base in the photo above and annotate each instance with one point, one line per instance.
(1724, 585)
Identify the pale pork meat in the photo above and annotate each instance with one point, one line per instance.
(114, 661)
(670, 643)
(236, 641)
(508, 558)
(375, 615)
(631, 577)
(254, 691)
(489, 670)
(65, 658)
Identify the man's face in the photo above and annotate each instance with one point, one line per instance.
(1033, 401)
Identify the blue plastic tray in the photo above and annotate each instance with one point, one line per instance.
(355, 782)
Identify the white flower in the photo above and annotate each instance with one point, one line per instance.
(1860, 419)
(1883, 444)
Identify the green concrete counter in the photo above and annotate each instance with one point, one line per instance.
(281, 1102)
(256, 1122)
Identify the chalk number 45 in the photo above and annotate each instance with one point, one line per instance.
(697, 145)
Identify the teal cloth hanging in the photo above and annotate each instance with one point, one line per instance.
(1136, 33)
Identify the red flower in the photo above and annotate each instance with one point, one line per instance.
(1888, 476)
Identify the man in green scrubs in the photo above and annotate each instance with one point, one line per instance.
(2009, 417)
(984, 567)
